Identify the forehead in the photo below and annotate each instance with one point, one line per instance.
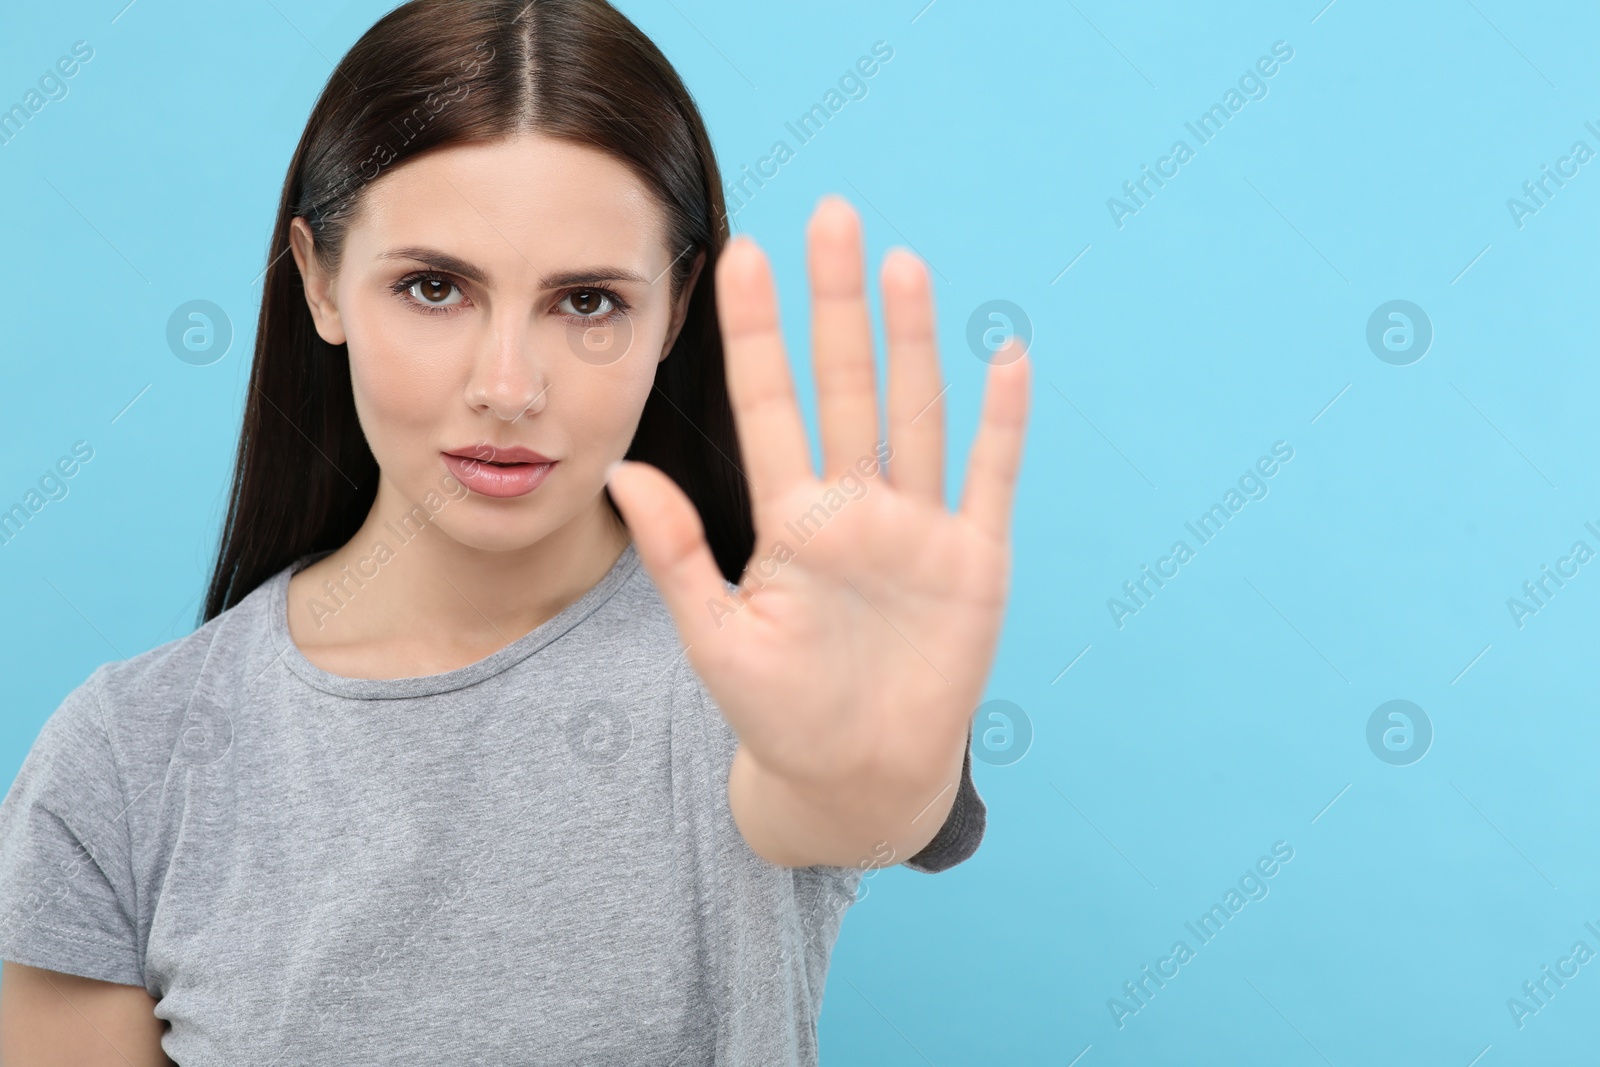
(519, 206)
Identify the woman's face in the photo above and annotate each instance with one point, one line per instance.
(496, 297)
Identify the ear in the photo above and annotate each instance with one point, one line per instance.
(318, 284)
(680, 310)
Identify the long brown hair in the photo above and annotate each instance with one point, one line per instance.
(433, 73)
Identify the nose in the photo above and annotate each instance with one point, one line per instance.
(508, 378)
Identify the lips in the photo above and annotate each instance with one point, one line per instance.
(495, 471)
(498, 454)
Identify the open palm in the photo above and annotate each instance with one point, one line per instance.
(858, 645)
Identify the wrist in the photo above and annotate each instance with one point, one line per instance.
(866, 819)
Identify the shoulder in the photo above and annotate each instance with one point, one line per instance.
(162, 704)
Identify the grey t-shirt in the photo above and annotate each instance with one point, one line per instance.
(527, 860)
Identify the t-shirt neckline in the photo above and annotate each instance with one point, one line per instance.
(429, 684)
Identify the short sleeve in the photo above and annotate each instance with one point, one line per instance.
(963, 828)
(66, 884)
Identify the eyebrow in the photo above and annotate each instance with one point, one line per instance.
(443, 261)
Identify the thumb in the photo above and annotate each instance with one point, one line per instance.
(671, 542)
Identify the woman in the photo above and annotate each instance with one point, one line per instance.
(480, 754)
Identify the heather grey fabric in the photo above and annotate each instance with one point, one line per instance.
(529, 860)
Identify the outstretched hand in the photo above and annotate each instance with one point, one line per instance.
(852, 657)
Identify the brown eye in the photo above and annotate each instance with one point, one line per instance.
(436, 291)
(588, 303)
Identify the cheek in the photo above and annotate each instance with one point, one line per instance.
(401, 377)
(400, 402)
(393, 387)
(600, 406)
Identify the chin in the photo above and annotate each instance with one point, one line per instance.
(495, 533)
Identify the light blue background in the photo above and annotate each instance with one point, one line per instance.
(1228, 314)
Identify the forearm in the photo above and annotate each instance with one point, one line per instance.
(863, 820)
